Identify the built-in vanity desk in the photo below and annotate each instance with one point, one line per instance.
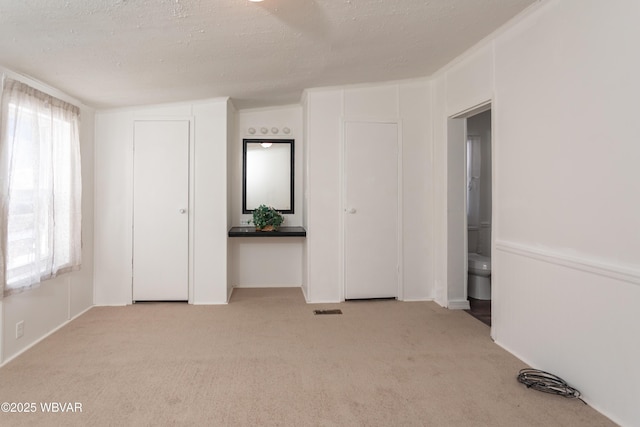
(264, 259)
(281, 232)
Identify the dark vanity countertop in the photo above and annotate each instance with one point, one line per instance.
(282, 232)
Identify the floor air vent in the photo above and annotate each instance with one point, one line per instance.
(336, 311)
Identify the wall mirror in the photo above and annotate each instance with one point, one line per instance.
(267, 174)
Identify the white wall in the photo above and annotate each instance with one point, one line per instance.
(457, 92)
(279, 117)
(56, 301)
(414, 110)
(274, 261)
(439, 130)
(210, 224)
(565, 266)
(114, 189)
(325, 112)
(265, 262)
(232, 133)
(305, 199)
(456, 215)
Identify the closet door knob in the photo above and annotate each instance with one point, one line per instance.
(182, 211)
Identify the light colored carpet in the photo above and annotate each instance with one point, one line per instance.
(266, 359)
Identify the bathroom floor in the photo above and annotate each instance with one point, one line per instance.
(481, 310)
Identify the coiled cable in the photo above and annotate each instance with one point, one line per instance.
(548, 383)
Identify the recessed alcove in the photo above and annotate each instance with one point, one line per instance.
(274, 258)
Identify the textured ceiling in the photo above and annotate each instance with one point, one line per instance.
(111, 53)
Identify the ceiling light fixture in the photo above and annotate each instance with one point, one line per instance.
(255, 1)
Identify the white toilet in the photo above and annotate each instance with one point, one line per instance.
(479, 283)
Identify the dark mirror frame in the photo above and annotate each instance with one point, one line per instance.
(245, 142)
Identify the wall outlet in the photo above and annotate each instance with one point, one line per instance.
(19, 329)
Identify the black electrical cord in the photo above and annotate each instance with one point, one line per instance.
(547, 383)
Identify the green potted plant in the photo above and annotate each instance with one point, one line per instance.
(266, 218)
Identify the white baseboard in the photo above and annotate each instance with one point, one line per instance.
(4, 362)
(253, 286)
(458, 305)
(527, 363)
(210, 303)
(111, 305)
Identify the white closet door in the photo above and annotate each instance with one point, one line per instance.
(371, 210)
(160, 216)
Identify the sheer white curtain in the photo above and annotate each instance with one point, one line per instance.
(40, 194)
(474, 162)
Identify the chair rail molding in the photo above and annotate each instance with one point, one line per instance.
(581, 263)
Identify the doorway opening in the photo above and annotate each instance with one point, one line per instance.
(469, 219)
(478, 204)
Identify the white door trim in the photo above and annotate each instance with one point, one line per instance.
(489, 104)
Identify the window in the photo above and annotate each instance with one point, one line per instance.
(41, 187)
